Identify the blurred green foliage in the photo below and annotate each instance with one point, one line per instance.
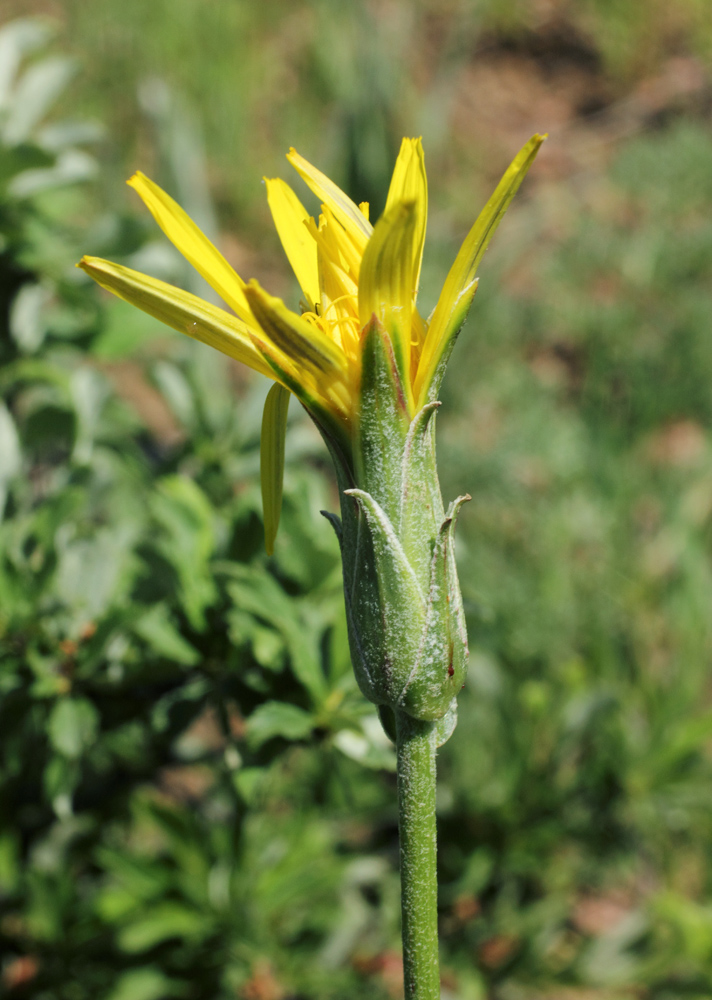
(343, 80)
(184, 806)
(584, 415)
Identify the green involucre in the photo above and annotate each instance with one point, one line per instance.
(403, 604)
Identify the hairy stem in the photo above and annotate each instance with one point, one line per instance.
(419, 888)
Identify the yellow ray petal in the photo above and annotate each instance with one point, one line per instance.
(335, 256)
(303, 343)
(272, 439)
(386, 281)
(334, 244)
(346, 211)
(290, 217)
(409, 183)
(192, 243)
(460, 284)
(179, 309)
(339, 309)
(332, 414)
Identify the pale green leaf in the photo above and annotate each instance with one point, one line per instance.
(277, 718)
(160, 923)
(72, 726)
(146, 983)
(157, 629)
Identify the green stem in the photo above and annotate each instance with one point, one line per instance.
(419, 887)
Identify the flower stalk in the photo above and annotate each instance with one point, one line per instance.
(367, 367)
(416, 744)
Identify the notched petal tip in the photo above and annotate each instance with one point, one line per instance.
(139, 180)
(94, 266)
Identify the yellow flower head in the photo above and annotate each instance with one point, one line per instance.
(353, 276)
(350, 272)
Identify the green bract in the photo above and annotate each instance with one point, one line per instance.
(403, 604)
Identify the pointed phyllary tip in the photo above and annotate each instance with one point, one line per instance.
(335, 523)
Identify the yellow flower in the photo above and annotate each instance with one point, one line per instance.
(348, 270)
(351, 275)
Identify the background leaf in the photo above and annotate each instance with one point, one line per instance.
(73, 726)
(275, 718)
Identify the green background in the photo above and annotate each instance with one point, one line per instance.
(195, 801)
